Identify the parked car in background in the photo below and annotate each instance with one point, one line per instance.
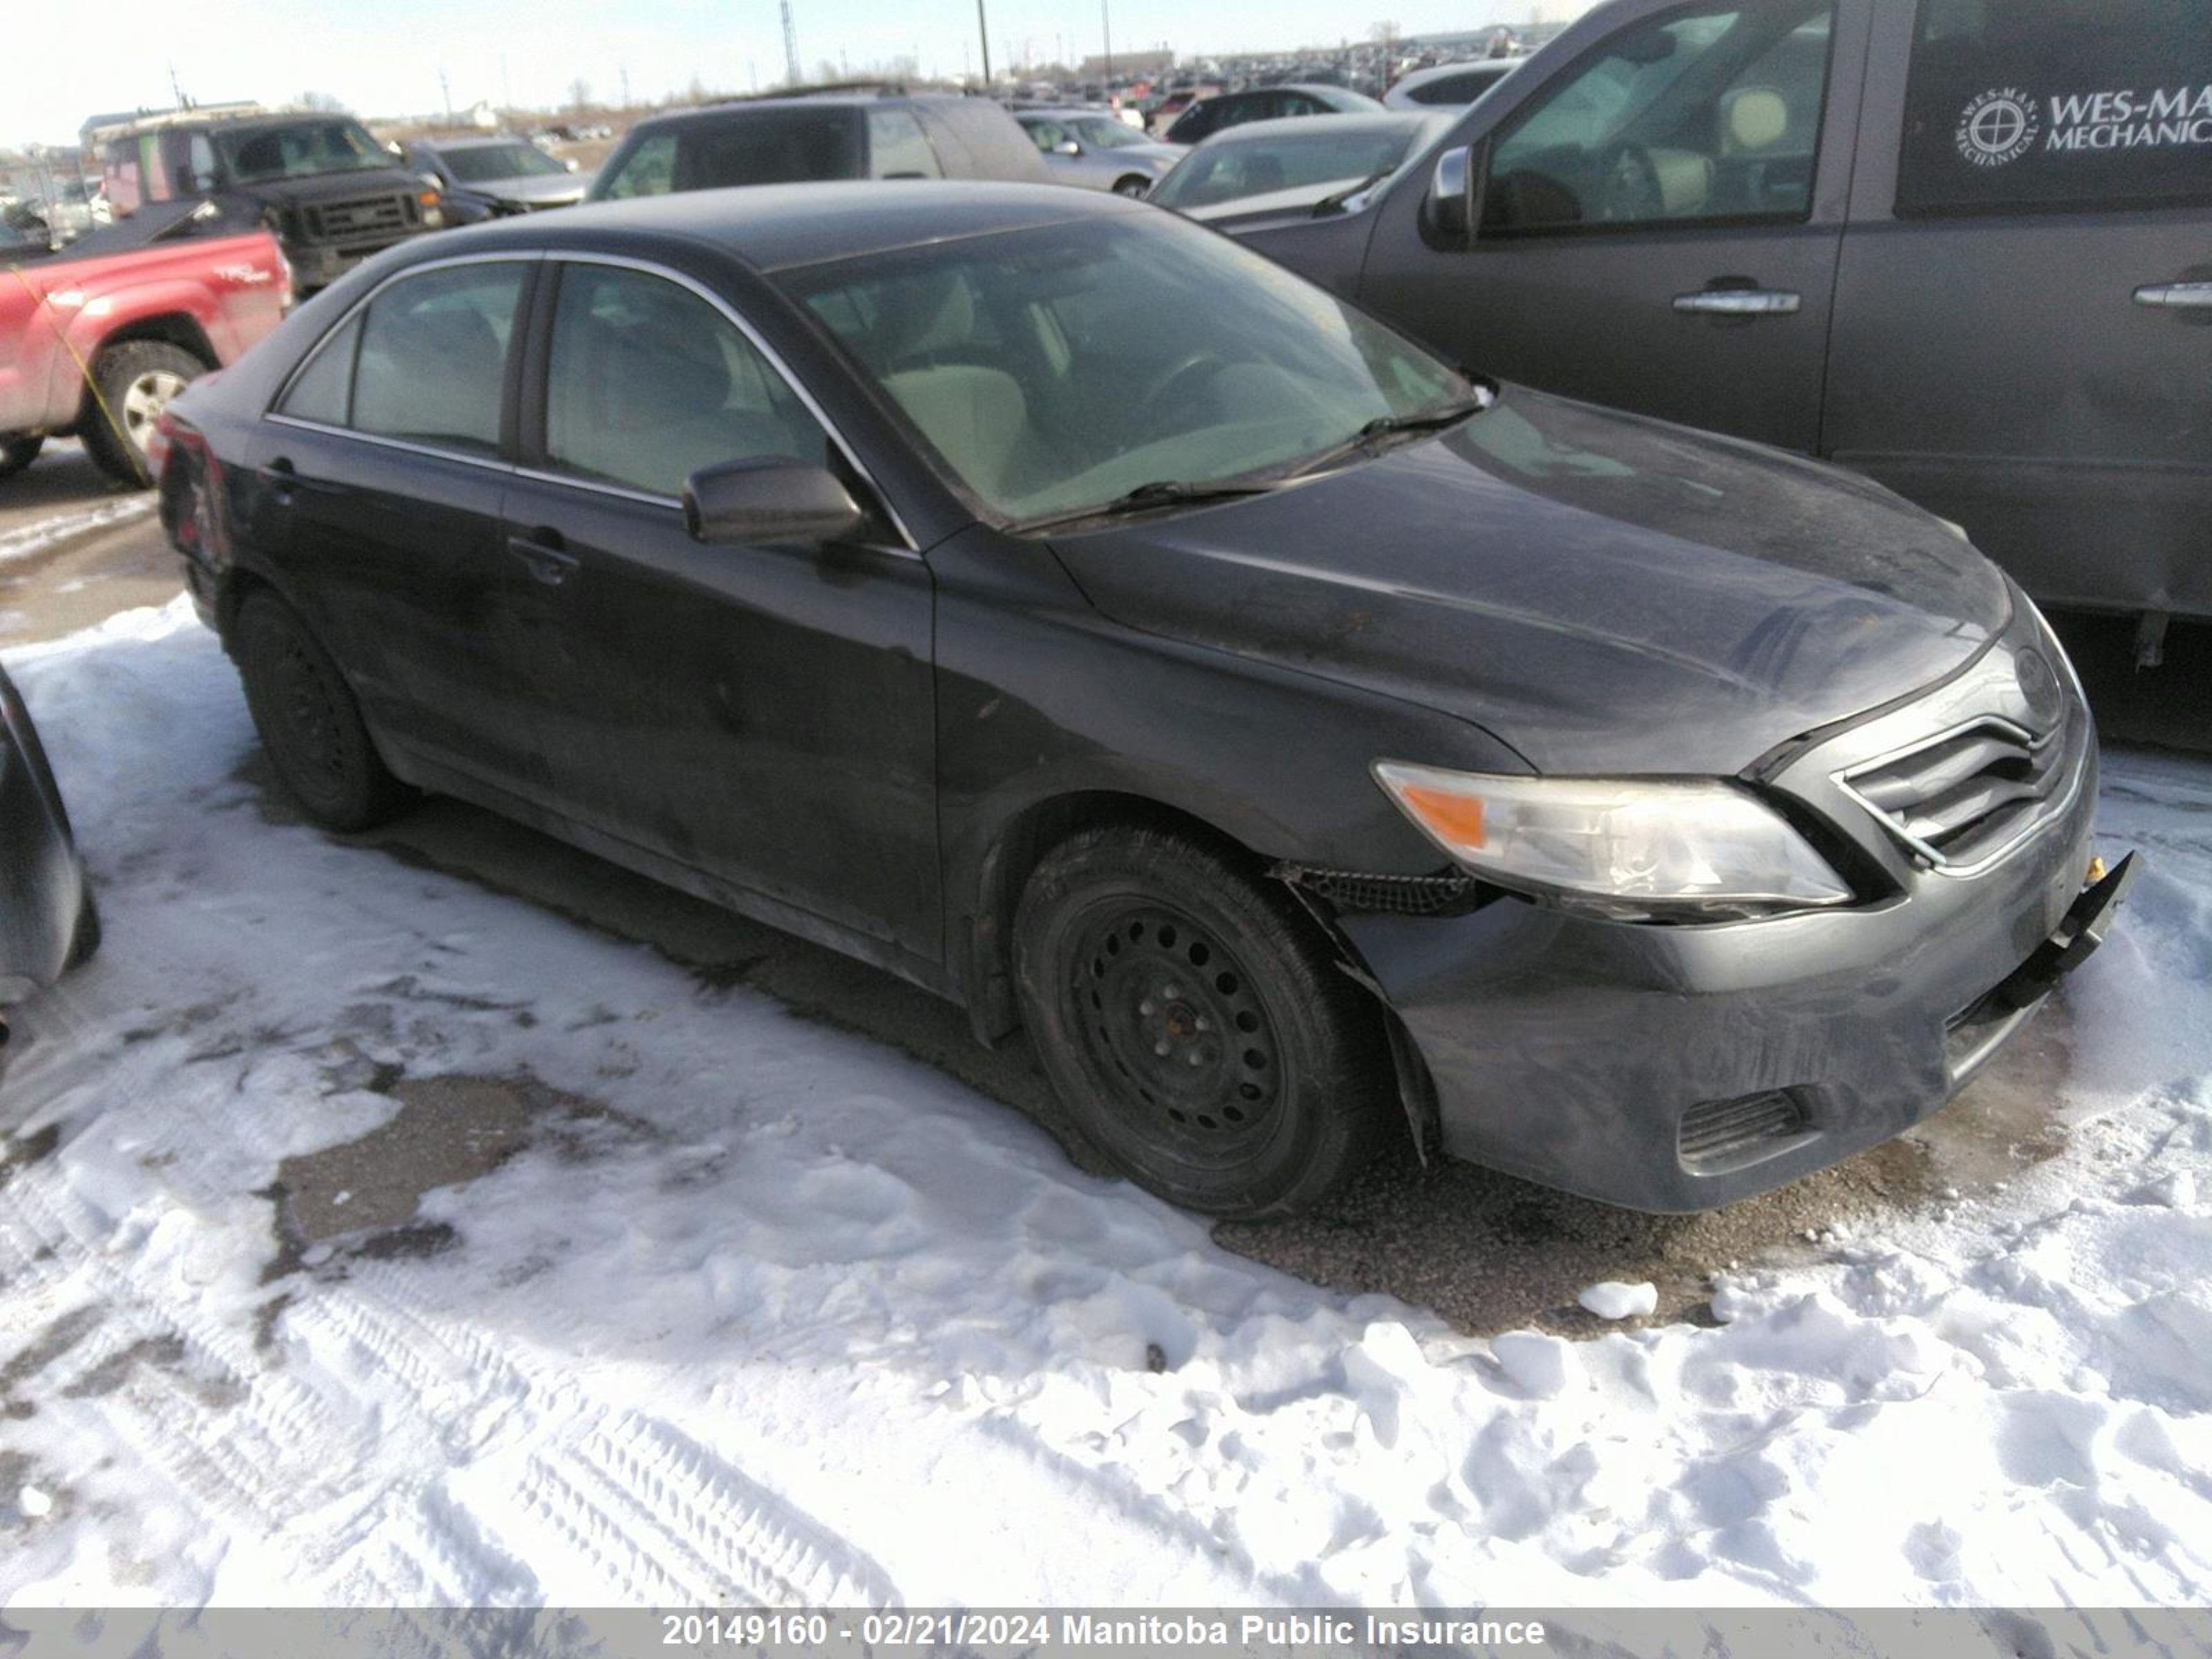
(1449, 85)
(1931, 243)
(1097, 148)
(819, 137)
(49, 923)
(147, 308)
(1049, 601)
(488, 178)
(331, 193)
(1210, 115)
(1264, 172)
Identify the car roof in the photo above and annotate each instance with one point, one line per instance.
(1350, 125)
(737, 108)
(473, 141)
(776, 227)
(1438, 71)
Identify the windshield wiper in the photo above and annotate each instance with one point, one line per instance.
(1383, 426)
(1335, 201)
(1160, 492)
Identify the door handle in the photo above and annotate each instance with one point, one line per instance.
(1739, 302)
(2180, 296)
(545, 556)
(283, 478)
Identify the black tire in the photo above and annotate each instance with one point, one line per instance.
(135, 380)
(1275, 1084)
(1134, 185)
(16, 454)
(84, 943)
(308, 720)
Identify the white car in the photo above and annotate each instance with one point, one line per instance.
(1449, 86)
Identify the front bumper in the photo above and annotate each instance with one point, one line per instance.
(1678, 1068)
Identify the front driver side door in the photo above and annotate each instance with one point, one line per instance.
(761, 715)
(1660, 221)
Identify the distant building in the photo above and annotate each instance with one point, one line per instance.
(1140, 64)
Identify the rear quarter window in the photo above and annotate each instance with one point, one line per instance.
(2065, 103)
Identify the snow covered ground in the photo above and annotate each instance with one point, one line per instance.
(744, 1307)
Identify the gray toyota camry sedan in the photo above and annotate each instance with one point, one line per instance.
(1302, 738)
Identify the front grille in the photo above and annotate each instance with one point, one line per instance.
(364, 218)
(1961, 799)
(1718, 1135)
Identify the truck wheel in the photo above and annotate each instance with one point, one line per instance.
(308, 720)
(16, 454)
(1195, 1026)
(136, 381)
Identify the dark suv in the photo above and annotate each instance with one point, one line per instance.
(322, 182)
(843, 134)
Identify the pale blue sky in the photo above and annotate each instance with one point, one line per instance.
(382, 57)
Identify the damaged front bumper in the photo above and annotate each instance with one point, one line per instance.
(1676, 1069)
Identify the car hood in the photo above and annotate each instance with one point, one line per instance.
(1603, 592)
(531, 189)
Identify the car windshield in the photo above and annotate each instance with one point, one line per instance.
(1316, 152)
(478, 163)
(300, 150)
(1055, 369)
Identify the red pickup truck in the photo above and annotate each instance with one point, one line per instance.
(95, 339)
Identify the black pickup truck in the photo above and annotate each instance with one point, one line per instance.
(322, 182)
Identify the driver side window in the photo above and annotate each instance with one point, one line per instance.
(1710, 114)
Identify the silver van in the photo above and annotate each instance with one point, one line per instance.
(1964, 246)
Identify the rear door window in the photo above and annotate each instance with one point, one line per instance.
(2060, 104)
(433, 359)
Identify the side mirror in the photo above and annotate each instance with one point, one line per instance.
(1452, 212)
(1068, 147)
(739, 503)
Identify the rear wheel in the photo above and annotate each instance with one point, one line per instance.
(16, 454)
(136, 381)
(1195, 1026)
(308, 720)
(1134, 185)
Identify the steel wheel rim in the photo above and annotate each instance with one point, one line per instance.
(144, 399)
(308, 717)
(1171, 1025)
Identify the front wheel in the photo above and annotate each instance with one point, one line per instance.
(136, 381)
(1195, 1025)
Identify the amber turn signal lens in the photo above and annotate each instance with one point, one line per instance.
(1455, 819)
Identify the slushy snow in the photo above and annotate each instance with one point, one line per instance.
(760, 1310)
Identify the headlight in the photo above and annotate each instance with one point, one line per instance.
(1643, 847)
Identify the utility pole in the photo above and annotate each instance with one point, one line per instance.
(1106, 24)
(790, 47)
(448, 94)
(506, 85)
(983, 30)
(622, 70)
(176, 90)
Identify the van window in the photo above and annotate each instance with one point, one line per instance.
(1704, 115)
(649, 170)
(2063, 104)
(896, 149)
